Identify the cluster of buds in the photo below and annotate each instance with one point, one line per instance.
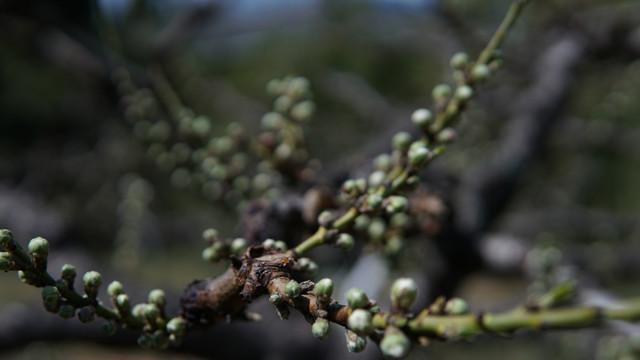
(218, 249)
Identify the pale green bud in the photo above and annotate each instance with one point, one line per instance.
(446, 135)
(92, 280)
(6, 239)
(321, 328)
(303, 110)
(345, 242)
(401, 141)
(269, 244)
(397, 204)
(361, 185)
(464, 93)
(441, 92)
(349, 186)
(51, 295)
(325, 219)
(275, 299)
(292, 289)
(6, 261)
(403, 293)
(280, 245)
(323, 287)
(123, 301)
(115, 288)
(456, 306)
(459, 60)
(151, 311)
(395, 344)
(421, 118)
(67, 311)
(109, 328)
(158, 298)
(238, 245)
(480, 73)
(201, 125)
(361, 222)
(177, 326)
(376, 228)
(377, 178)
(360, 321)
(282, 103)
(419, 156)
(399, 220)
(39, 247)
(382, 162)
(210, 234)
(355, 343)
(138, 310)
(374, 201)
(356, 298)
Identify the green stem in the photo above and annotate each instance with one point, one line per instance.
(501, 32)
(343, 221)
(311, 242)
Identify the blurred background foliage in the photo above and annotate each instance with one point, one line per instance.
(71, 166)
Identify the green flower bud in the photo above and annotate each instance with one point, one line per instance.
(421, 118)
(67, 311)
(211, 254)
(345, 242)
(158, 298)
(145, 342)
(456, 306)
(303, 110)
(39, 247)
(403, 293)
(68, 272)
(109, 328)
(86, 314)
(92, 280)
(177, 326)
(349, 186)
(51, 297)
(361, 222)
(115, 288)
(238, 245)
(269, 244)
(418, 157)
(374, 201)
(480, 73)
(361, 185)
(401, 141)
(210, 234)
(323, 287)
(399, 220)
(376, 229)
(382, 162)
(201, 126)
(393, 246)
(151, 311)
(395, 344)
(441, 92)
(6, 261)
(297, 86)
(355, 343)
(138, 310)
(123, 302)
(325, 219)
(356, 298)
(377, 178)
(280, 245)
(292, 289)
(6, 239)
(321, 328)
(459, 60)
(360, 322)
(446, 135)
(282, 103)
(397, 204)
(464, 93)
(275, 299)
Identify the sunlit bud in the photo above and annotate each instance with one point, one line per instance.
(401, 141)
(480, 73)
(356, 298)
(325, 219)
(238, 245)
(377, 178)
(349, 186)
(6, 239)
(39, 247)
(115, 288)
(151, 311)
(355, 343)
(123, 302)
(418, 156)
(382, 162)
(403, 293)
(459, 60)
(282, 103)
(303, 110)
(395, 344)
(280, 245)
(177, 326)
(92, 280)
(421, 118)
(323, 287)
(456, 306)
(397, 204)
(275, 299)
(360, 322)
(446, 135)
(321, 328)
(158, 297)
(441, 92)
(210, 234)
(374, 201)
(292, 289)
(6, 261)
(345, 242)
(464, 93)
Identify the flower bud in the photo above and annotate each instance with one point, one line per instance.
(446, 135)
(349, 186)
(355, 343)
(418, 156)
(280, 245)
(39, 247)
(397, 204)
(292, 289)
(6, 239)
(158, 298)
(325, 218)
(92, 280)
(115, 288)
(456, 306)
(138, 310)
(377, 178)
(421, 118)
(109, 328)
(480, 73)
(360, 322)
(67, 311)
(345, 242)
(123, 302)
(177, 326)
(6, 261)
(151, 312)
(374, 201)
(144, 342)
(86, 314)
(441, 92)
(395, 344)
(401, 141)
(382, 162)
(238, 245)
(376, 228)
(275, 299)
(464, 93)
(282, 103)
(321, 328)
(459, 60)
(210, 234)
(323, 287)
(403, 293)
(68, 272)
(361, 222)
(356, 298)
(303, 110)
(51, 297)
